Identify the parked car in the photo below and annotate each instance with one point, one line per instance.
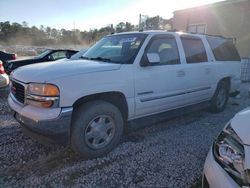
(122, 78)
(76, 56)
(228, 161)
(47, 55)
(4, 57)
(4, 78)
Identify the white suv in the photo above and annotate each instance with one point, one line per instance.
(123, 77)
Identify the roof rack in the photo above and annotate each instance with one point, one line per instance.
(173, 30)
(231, 38)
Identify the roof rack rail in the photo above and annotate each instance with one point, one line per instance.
(212, 35)
(173, 30)
(231, 38)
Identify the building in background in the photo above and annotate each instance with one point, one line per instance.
(229, 18)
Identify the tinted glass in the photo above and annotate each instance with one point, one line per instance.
(43, 54)
(194, 49)
(58, 55)
(167, 50)
(223, 49)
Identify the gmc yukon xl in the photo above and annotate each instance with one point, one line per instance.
(86, 103)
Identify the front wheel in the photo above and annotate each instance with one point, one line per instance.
(220, 97)
(97, 128)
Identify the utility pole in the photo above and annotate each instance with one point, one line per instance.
(140, 28)
(142, 19)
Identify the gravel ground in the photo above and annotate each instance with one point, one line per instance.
(167, 154)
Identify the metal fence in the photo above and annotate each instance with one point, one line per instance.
(245, 69)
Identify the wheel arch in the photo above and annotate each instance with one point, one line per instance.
(116, 98)
(227, 80)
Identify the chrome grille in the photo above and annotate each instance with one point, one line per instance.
(18, 90)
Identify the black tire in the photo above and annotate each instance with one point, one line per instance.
(93, 119)
(220, 97)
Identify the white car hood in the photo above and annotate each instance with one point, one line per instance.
(44, 72)
(241, 125)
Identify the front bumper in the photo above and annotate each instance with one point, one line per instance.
(214, 176)
(53, 130)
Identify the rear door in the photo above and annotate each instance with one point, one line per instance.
(199, 70)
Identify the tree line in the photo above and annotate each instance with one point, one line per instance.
(22, 34)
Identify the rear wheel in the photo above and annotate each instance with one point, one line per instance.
(97, 128)
(220, 97)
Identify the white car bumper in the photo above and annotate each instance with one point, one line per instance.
(214, 176)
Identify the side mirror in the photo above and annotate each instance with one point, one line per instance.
(153, 58)
(150, 59)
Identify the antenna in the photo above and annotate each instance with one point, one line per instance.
(74, 32)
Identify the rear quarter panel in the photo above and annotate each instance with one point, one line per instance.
(223, 69)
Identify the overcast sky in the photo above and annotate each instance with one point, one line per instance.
(88, 14)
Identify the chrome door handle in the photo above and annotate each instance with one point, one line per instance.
(181, 73)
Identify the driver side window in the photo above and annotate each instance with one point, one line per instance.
(57, 55)
(166, 48)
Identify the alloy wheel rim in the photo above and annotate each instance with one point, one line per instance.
(100, 131)
(221, 98)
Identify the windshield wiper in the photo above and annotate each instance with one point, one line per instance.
(99, 59)
(83, 57)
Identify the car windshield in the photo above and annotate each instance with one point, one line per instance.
(116, 48)
(43, 54)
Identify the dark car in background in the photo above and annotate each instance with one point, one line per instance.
(76, 56)
(4, 57)
(79, 54)
(47, 55)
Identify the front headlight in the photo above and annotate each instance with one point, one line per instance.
(229, 152)
(42, 95)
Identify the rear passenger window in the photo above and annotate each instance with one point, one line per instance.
(194, 49)
(223, 49)
(166, 48)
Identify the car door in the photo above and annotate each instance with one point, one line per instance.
(159, 87)
(198, 69)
